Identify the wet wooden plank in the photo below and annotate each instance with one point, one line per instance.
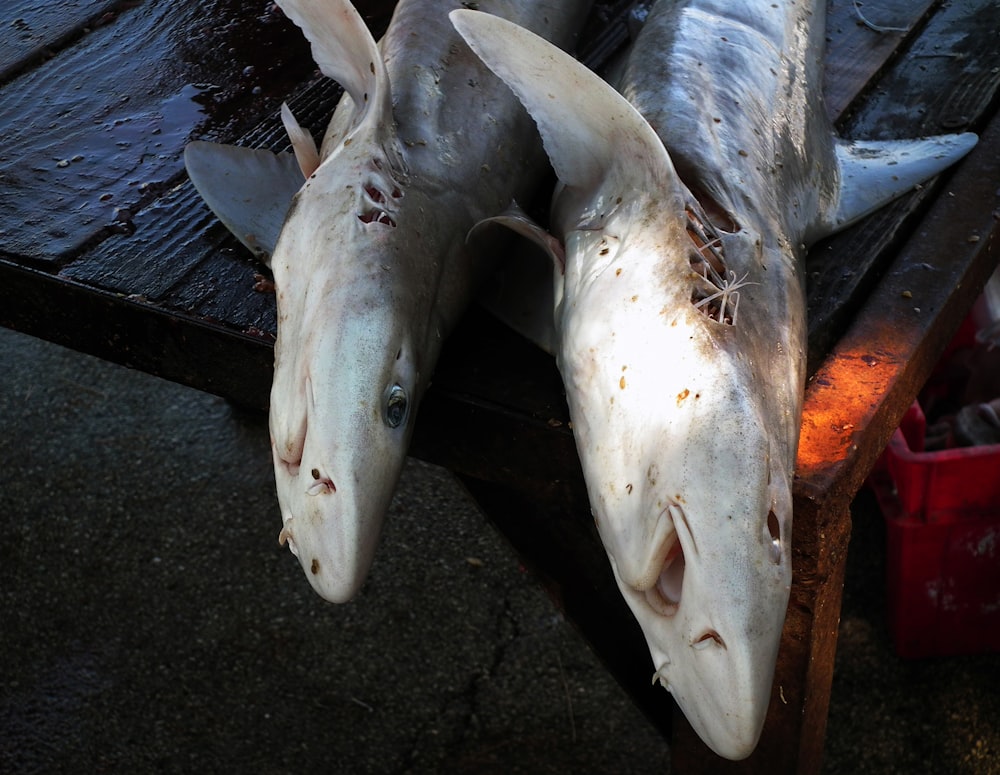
(947, 82)
(178, 255)
(31, 30)
(96, 132)
(865, 38)
(130, 332)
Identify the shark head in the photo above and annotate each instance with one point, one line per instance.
(690, 482)
(342, 405)
(688, 466)
(352, 337)
(352, 319)
(354, 326)
(346, 384)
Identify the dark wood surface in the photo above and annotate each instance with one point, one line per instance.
(106, 248)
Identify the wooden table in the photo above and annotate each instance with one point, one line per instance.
(106, 248)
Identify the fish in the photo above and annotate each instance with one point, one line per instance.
(366, 239)
(685, 202)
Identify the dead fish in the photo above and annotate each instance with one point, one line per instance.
(370, 261)
(679, 225)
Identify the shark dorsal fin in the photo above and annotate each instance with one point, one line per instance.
(249, 190)
(344, 50)
(873, 172)
(589, 131)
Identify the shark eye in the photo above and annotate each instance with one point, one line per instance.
(396, 407)
(774, 530)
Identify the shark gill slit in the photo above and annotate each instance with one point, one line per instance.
(716, 292)
(377, 199)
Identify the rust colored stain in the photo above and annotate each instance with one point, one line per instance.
(846, 392)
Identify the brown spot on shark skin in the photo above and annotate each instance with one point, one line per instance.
(314, 567)
(682, 395)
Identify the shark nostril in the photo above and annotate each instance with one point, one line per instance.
(321, 484)
(706, 639)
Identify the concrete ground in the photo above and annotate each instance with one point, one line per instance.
(150, 622)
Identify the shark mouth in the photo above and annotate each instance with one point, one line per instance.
(664, 595)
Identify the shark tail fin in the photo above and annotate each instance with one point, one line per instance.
(589, 131)
(249, 190)
(873, 173)
(344, 50)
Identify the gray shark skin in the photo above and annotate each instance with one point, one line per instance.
(679, 224)
(371, 264)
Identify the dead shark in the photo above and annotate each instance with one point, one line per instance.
(370, 262)
(679, 224)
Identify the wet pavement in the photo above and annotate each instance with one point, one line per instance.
(149, 621)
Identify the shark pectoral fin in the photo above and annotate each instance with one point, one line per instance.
(248, 190)
(344, 50)
(519, 222)
(590, 132)
(520, 293)
(872, 173)
(303, 143)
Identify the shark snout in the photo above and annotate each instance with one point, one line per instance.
(322, 522)
(320, 527)
(726, 693)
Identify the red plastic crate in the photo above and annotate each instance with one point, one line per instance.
(942, 515)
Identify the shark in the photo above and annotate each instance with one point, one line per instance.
(366, 237)
(686, 200)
